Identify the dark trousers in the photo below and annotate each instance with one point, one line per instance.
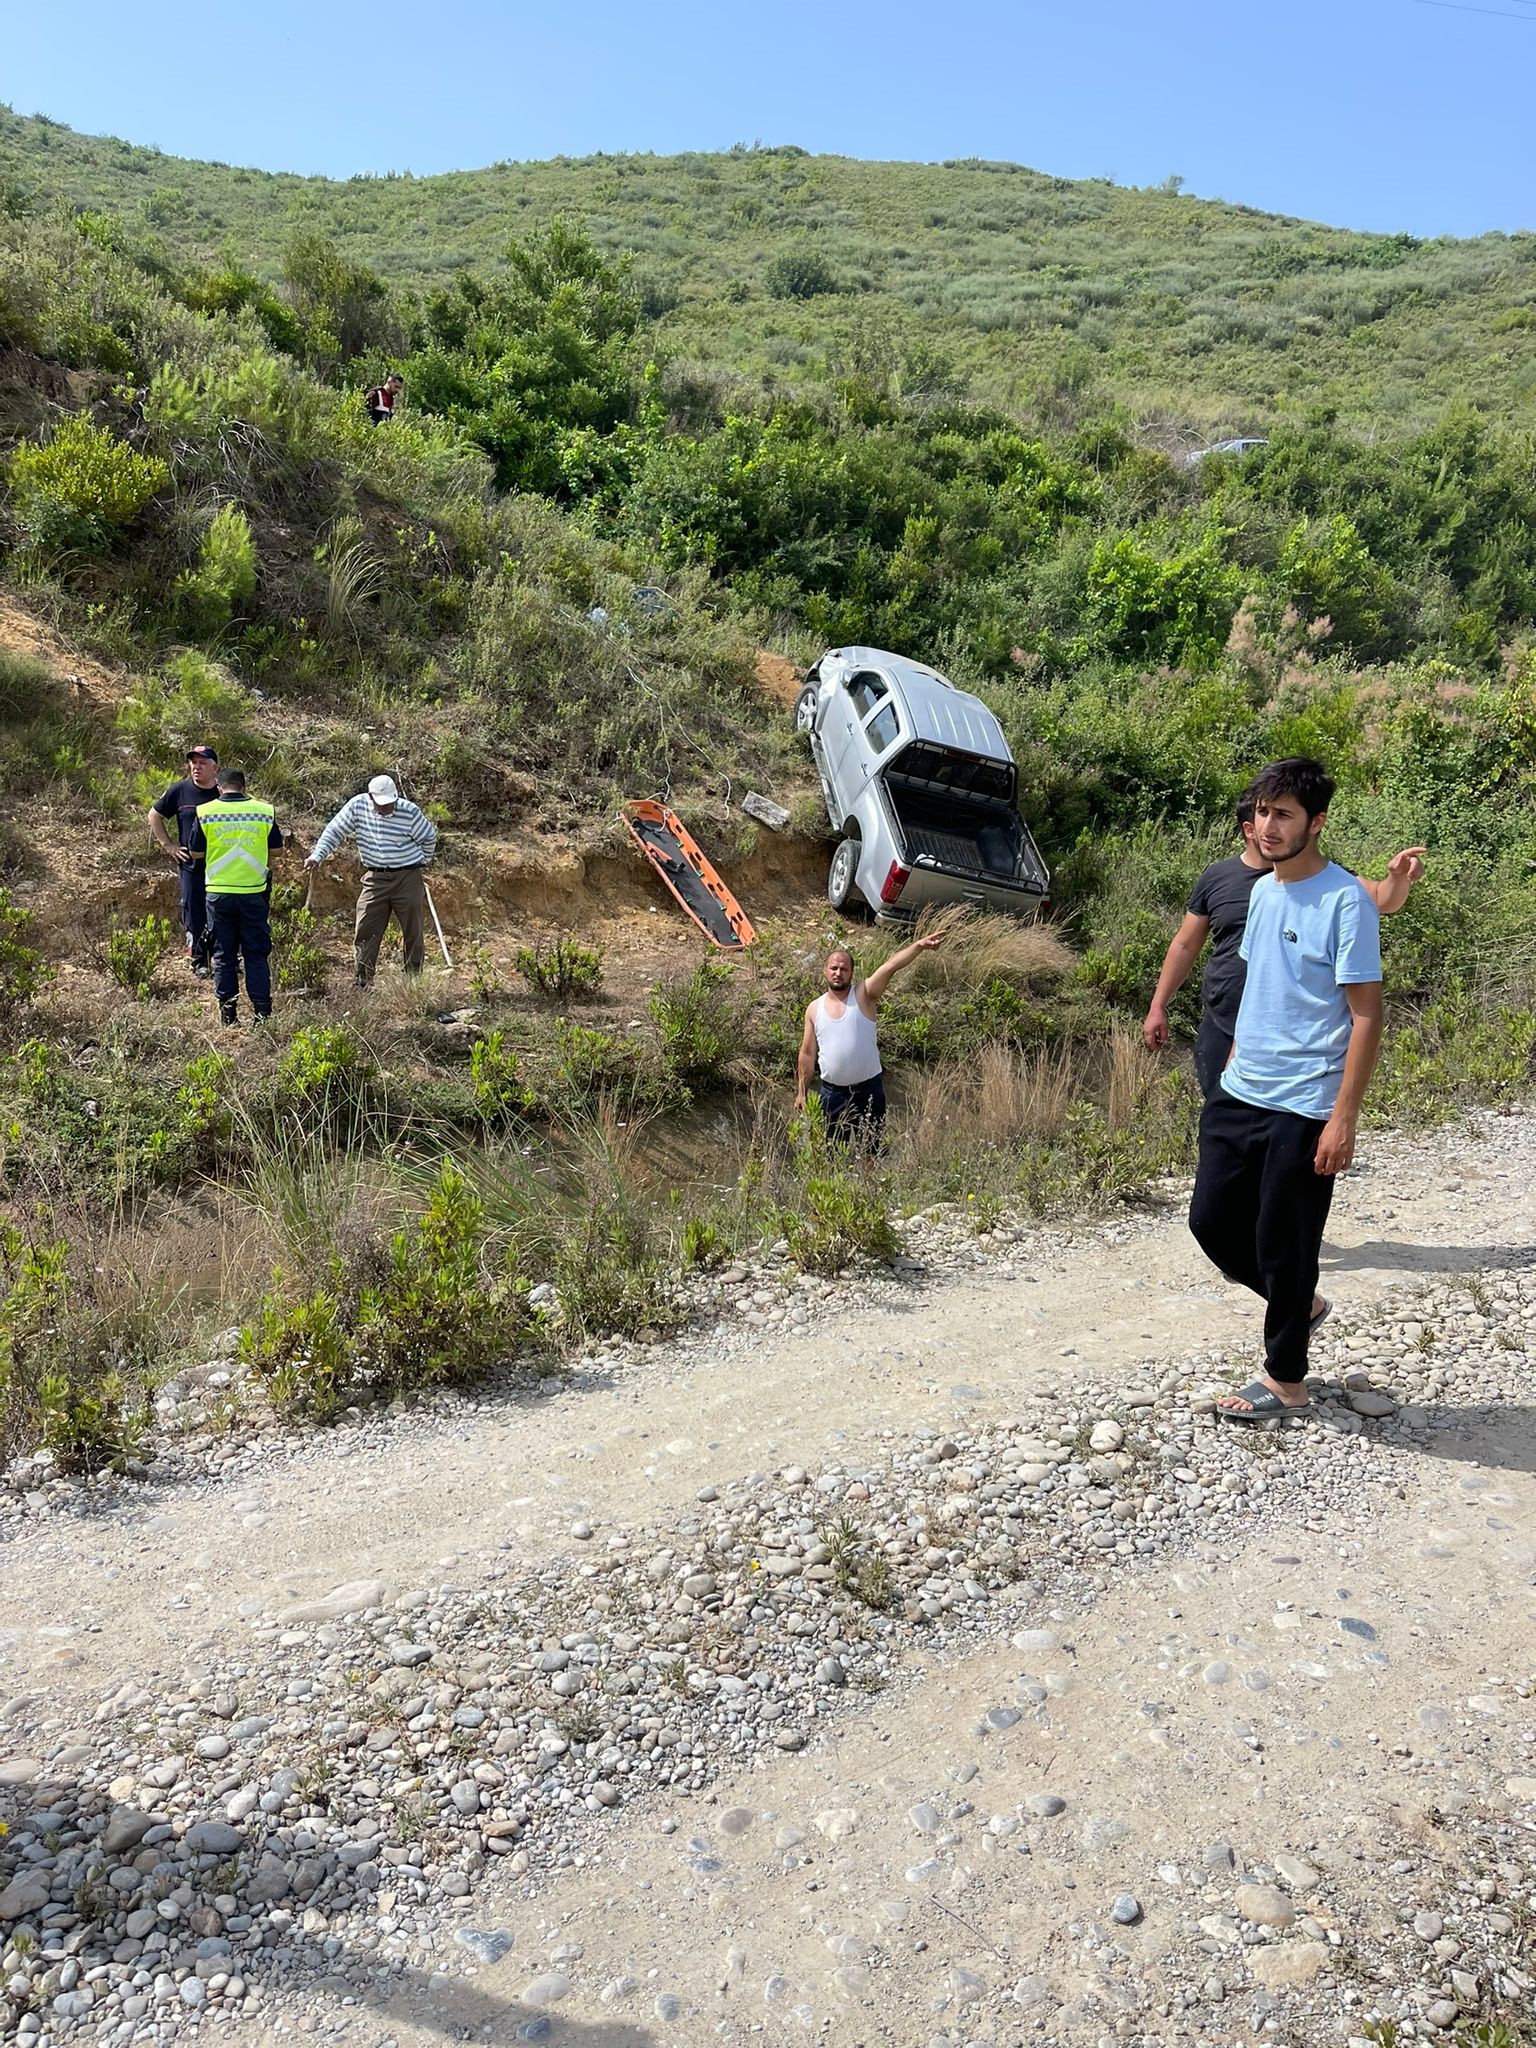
(1258, 1213)
(194, 908)
(386, 892)
(854, 1115)
(241, 930)
(1213, 1044)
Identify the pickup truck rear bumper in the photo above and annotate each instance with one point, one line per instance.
(929, 887)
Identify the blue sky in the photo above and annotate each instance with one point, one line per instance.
(1383, 114)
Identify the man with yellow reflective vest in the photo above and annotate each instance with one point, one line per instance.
(236, 836)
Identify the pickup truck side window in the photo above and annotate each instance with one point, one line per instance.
(882, 729)
(866, 690)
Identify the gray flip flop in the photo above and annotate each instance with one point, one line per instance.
(1265, 1405)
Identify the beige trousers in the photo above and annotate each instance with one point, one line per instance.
(402, 891)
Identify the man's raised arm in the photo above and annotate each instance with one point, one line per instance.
(1391, 893)
(876, 984)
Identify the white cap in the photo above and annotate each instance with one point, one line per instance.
(382, 789)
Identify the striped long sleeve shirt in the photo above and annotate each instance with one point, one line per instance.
(402, 838)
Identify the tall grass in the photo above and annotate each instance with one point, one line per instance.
(94, 1310)
(313, 1190)
(354, 580)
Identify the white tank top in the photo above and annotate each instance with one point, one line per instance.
(845, 1045)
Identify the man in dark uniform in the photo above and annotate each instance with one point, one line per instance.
(180, 802)
(236, 836)
(1218, 911)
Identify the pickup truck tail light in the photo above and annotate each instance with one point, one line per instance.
(895, 881)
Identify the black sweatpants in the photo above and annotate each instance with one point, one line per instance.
(1213, 1048)
(1258, 1212)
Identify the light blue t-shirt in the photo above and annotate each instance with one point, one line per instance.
(1304, 944)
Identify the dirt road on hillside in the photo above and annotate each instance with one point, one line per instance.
(402, 1499)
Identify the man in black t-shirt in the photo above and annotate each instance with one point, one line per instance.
(200, 785)
(1218, 911)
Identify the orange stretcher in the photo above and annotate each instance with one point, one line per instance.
(672, 851)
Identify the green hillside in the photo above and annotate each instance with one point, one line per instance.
(984, 276)
(661, 417)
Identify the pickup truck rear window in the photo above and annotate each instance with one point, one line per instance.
(966, 774)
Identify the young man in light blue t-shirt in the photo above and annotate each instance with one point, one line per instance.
(1282, 1122)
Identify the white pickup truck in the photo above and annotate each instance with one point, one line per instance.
(920, 787)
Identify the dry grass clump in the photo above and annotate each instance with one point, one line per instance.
(1134, 1075)
(980, 947)
(1000, 1097)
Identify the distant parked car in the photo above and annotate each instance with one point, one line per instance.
(920, 787)
(1245, 446)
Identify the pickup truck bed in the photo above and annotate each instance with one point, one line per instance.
(965, 835)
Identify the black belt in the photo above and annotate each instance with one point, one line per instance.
(404, 868)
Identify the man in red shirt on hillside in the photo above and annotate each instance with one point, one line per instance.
(381, 399)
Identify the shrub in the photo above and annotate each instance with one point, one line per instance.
(697, 1022)
(997, 1011)
(608, 1271)
(134, 951)
(258, 394)
(83, 486)
(421, 1311)
(204, 1116)
(435, 1315)
(1142, 606)
(327, 1064)
(298, 958)
(23, 970)
(485, 983)
(1126, 971)
(496, 1077)
(799, 274)
(304, 1350)
(702, 1243)
(181, 707)
(567, 972)
(91, 1428)
(1457, 1050)
(839, 1218)
(1328, 572)
(206, 598)
(592, 1062)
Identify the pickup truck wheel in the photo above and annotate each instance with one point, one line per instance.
(840, 876)
(805, 709)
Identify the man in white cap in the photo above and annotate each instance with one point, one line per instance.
(395, 841)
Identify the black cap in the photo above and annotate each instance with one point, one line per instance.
(201, 754)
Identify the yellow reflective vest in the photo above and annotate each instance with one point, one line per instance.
(235, 834)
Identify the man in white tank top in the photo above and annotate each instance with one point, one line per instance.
(840, 1040)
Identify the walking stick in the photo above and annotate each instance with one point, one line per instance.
(436, 925)
(426, 885)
